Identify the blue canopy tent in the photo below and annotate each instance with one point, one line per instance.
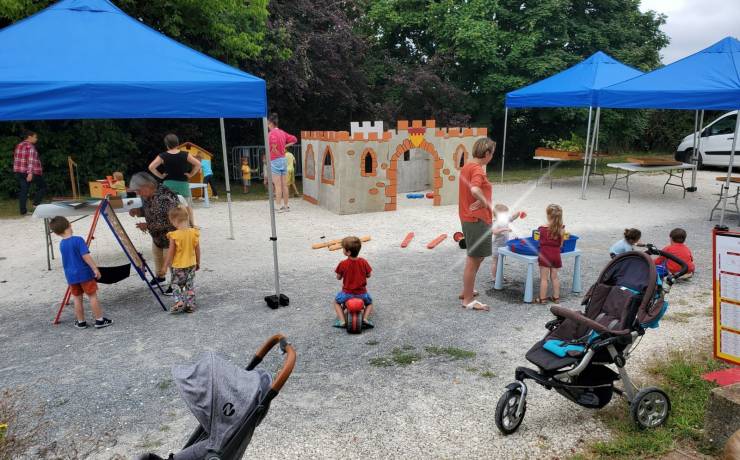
(575, 86)
(87, 59)
(707, 80)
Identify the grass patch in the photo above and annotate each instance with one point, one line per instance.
(680, 377)
(451, 352)
(402, 356)
(372, 342)
(679, 316)
(164, 384)
(487, 374)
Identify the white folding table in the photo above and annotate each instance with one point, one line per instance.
(625, 170)
(204, 187)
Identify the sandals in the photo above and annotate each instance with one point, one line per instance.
(476, 305)
(339, 324)
(475, 294)
(539, 301)
(555, 300)
(178, 307)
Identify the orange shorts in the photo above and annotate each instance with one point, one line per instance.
(88, 287)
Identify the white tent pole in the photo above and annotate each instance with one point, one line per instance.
(693, 154)
(226, 178)
(273, 238)
(729, 170)
(594, 143)
(503, 149)
(585, 160)
(697, 152)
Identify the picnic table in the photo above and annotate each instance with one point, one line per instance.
(625, 170)
(550, 160)
(531, 262)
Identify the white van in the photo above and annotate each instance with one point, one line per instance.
(716, 143)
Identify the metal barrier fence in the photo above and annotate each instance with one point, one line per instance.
(254, 154)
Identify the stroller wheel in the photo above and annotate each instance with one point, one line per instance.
(507, 420)
(650, 408)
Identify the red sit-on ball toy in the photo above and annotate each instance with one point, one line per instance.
(457, 236)
(522, 215)
(354, 305)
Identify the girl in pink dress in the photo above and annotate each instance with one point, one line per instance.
(551, 239)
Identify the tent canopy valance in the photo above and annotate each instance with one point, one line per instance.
(87, 59)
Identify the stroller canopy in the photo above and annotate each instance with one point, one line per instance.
(221, 396)
(636, 271)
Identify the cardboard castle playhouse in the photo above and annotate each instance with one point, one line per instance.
(365, 170)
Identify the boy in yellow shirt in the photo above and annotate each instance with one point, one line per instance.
(119, 185)
(246, 174)
(183, 257)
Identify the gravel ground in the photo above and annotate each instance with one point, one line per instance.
(336, 404)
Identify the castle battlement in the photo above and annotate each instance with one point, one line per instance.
(372, 131)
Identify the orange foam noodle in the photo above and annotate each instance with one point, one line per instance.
(407, 240)
(435, 242)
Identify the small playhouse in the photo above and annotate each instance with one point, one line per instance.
(201, 154)
(366, 169)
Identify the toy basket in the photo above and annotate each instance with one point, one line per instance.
(525, 246)
(569, 244)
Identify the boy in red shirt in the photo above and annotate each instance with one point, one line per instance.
(680, 250)
(354, 272)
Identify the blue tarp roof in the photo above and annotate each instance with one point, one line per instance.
(88, 59)
(575, 86)
(709, 79)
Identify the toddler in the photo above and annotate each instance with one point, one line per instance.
(119, 185)
(80, 271)
(183, 256)
(631, 238)
(680, 250)
(551, 239)
(246, 175)
(354, 272)
(500, 230)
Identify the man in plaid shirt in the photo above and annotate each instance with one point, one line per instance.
(27, 169)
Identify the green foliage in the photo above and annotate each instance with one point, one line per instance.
(575, 144)
(450, 352)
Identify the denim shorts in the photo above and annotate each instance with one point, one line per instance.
(345, 296)
(279, 167)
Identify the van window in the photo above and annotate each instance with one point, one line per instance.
(724, 126)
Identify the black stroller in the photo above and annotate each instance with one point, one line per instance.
(574, 356)
(228, 401)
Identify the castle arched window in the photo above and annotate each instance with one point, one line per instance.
(327, 168)
(460, 157)
(407, 155)
(309, 170)
(369, 163)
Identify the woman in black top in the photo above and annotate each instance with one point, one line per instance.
(177, 167)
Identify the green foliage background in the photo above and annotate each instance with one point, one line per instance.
(329, 63)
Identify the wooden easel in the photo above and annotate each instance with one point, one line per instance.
(135, 258)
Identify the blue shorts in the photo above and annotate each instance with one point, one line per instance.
(345, 296)
(279, 167)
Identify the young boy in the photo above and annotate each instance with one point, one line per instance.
(80, 271)
(246, 175)
(680, 250)
(354, 272)
(631, 238)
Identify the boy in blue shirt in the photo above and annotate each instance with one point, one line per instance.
(631, 238)
(80, 271)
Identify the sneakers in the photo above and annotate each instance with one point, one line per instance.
(81, 324)
(168, 291)
(155, 281)
(101, 323)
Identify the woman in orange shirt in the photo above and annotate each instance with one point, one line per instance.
(476, 217)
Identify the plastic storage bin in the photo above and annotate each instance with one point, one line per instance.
(526, 246)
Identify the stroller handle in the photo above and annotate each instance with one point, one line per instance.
(288, 363)
(652, 250)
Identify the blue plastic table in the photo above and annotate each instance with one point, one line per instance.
(531, 262)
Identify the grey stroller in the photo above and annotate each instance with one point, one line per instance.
(228, 401)
(575, 355)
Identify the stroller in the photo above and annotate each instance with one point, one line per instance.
(574, 356)
(229, 402)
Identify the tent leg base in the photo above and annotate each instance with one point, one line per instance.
(691, 189)
(274, 302)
